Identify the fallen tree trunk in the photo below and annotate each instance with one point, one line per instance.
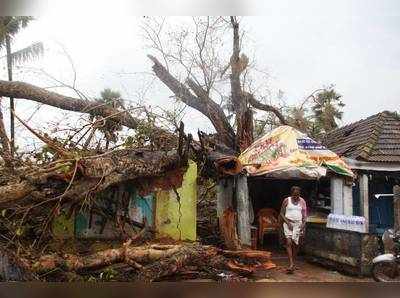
(154, 262)
(185, 256)
(95, 174)
(30, 92)
(124, 254)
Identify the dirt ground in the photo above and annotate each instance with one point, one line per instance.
(308, 272)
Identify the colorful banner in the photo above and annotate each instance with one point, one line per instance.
(288, 153)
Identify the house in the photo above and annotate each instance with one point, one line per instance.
(371, 147)
(164, 204)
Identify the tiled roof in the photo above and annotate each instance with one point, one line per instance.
(376, 138)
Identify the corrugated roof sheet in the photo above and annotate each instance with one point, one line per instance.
(376, 138)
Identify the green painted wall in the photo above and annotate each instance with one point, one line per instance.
(174, 219)
(62, 226)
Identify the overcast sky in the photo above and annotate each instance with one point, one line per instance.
(303, 46)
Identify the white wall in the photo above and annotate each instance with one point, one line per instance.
(364, 198)
(341, 197)
(337, 195)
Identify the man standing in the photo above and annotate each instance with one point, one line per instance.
(293, 214)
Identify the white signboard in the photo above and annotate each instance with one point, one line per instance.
(347, 222)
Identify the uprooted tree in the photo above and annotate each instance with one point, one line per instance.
(33, 192)
(223, 84)
(195, 53)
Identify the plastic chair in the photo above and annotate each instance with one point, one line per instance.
(268, 223)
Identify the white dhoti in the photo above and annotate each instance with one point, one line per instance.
(295, 233)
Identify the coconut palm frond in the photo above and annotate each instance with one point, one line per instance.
(14, 24)
(29, 53)
(10, 26)
(24, 20)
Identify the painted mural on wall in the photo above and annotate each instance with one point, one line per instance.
(141, 209)
(123, 202)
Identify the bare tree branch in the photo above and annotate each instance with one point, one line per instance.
(5, 142)
(200, 102)
(268, 108)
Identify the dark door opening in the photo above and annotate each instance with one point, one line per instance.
(267, 195)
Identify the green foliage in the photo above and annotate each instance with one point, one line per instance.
(45, 154)
(10, 26)
(109, 127)
(29, 53)
(320, 115)
(144, 134)
(108, 274)
(327, 109)
(92, 279)
(297, 117)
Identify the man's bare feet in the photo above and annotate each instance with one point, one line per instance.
(290, 270)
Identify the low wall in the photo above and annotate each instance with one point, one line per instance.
(345, 251)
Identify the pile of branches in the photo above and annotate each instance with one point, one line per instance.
(150, 262)
(32, 192)
(207, 218)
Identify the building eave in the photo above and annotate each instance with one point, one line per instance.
(371, 166)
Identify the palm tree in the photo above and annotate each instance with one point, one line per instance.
(108, 127)
(328, 109)
(9, 28)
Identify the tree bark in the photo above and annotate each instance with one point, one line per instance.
(124, 254)
(12, 107)
(200, 101)
(244, 117)
(227, 224)
(27, 91)
(186, 255)
(155, 262)
(95, 174)
(5, 143)
(268, 108)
